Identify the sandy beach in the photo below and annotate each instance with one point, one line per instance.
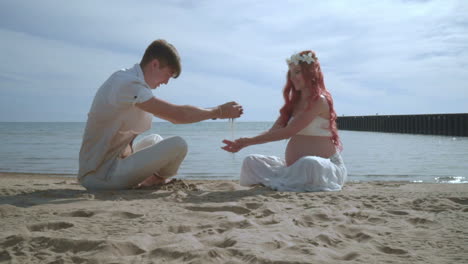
(52, 219)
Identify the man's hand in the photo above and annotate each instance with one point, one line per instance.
(230, 110)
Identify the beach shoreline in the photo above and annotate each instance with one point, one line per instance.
(53, 219)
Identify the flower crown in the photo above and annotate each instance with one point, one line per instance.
(296, 58)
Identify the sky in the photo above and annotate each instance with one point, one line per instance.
(378, 57)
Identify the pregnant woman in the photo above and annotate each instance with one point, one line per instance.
(312, 159)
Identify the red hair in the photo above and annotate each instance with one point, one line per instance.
(313, 78)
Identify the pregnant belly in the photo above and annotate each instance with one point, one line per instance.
(300, 146)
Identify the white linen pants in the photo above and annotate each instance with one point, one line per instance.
(152, 154)
(308, 174)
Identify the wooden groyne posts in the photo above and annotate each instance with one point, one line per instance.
(431, 124)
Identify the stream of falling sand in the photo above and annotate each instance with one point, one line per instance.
(232, 126)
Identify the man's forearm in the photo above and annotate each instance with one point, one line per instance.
(192, 114)
(185, 114)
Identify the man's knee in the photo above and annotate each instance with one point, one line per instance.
(175, 151)
(179, 143)
(147, 141)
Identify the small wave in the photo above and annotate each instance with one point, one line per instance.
(451, 179)
(416, 178)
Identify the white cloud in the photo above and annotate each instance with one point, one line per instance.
(390, 56)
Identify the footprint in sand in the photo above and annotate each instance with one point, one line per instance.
(377, 220)
(125, 215)
(180, 229)
(243, 224)
(275, 244)
(348, 257)
(227, 242)
(360, 215)
(321, 217)
(209, 232)
(375, 198)
(361, 237)
(271, 221)
(216, 254)
(303, 223)
(397, 212)
(421, 222)
(462, 201)
(253, 206)
(310, 220)
(86, 213)
(233, 209)
(49, 226)
(368, 205)
(394, 251)
(354, 233)
(316, 219)
(264, 213)
(328, 240)
(79, 213)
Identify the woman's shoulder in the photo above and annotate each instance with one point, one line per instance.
(321, 106)
(322, 98)
(323, 102)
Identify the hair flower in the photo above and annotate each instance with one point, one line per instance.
(297, 58)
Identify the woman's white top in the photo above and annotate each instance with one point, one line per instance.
(318, 127)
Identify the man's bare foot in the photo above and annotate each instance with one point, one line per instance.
(154, 180)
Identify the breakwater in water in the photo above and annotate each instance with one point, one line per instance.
(430, 124)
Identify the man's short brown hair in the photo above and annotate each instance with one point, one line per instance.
(166, 54)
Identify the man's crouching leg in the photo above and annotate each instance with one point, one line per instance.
(170, 153)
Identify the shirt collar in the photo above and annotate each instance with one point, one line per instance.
(139, 73)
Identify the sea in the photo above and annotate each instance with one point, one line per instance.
(53, 148)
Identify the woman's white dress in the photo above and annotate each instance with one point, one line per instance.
(308, 174)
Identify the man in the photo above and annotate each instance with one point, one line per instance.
(122, 109)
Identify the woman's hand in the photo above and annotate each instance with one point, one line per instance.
(235, 146)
